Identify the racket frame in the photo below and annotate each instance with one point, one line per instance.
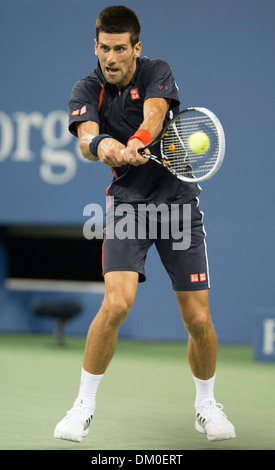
(163, 159)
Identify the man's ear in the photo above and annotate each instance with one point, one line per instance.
(137, 48)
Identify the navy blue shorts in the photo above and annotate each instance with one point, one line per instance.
(177, 232)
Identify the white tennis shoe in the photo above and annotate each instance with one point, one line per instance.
(211, 420)
(76, 423)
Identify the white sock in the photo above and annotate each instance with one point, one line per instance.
(204, 390)
(88, 386)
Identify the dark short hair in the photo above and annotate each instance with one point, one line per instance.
(119, 19)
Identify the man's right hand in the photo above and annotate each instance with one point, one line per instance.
(109, 151)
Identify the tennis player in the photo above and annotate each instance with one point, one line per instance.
(118, 108)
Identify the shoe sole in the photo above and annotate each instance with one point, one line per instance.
(67, 436)
(220, 437)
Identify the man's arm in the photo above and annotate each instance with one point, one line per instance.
(86, 131)
(154, 111)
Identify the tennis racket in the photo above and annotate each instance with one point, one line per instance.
(177, 156)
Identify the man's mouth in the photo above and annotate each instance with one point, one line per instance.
(112, 70)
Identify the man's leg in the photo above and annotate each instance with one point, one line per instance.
(202, 343)
(202, 354)
(120, 291)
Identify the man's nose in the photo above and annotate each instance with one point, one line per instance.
(111, 57)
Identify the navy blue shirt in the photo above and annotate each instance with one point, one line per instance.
(119, 114)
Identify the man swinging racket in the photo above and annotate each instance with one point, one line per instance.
(119, 108)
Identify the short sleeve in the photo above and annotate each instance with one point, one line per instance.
(160, 82)
(83, 104)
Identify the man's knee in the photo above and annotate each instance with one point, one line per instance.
(115, 310)
(198, 323)
(120, 290)
(195, 313)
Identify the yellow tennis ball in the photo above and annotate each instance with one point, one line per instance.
(199, 142)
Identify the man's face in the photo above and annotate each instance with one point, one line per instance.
(117, 57)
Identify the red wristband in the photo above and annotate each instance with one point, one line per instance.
(143, 135)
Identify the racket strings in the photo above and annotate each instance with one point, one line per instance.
(176, 153)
